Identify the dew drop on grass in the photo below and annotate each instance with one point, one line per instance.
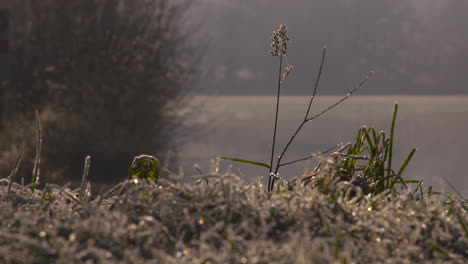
(378, 239)
(369, 209)
(135, 181)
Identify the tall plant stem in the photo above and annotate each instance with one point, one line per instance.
(276, 123)
(303, 122)
(307, 119)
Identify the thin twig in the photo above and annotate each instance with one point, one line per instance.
(451, 186)
(342, 99)
(309, 157)
(316, 83)
(319, 74)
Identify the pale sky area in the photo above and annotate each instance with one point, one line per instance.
(414, 46)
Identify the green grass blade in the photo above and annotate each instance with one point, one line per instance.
(418, 187)
(372, 149)
(375, 136)
(412, 181)
(247, 161)
(392, 134)
(408, 159)
(436, 247)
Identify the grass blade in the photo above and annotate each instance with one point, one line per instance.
(408, 159)
(84, 179)
(14, 171)
(247, 161)
(392, 134)
(37, 161)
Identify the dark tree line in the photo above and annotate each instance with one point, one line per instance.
(107, 77)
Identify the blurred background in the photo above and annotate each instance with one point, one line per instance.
(191, 80)
(414, 46)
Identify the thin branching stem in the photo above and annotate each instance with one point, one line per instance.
(316, 83)
(314, 117)
(342, 99)
(319, 74)
(270, 187)
(309, 157)
(276, 119)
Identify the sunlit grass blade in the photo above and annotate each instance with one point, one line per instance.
(248, 162)
(37, 160)
(84, 179)
(372, 149)
(418, 187)
(392, 135)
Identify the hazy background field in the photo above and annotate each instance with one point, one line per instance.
(241, 127)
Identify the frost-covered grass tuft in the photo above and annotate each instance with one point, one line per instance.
(223, 220)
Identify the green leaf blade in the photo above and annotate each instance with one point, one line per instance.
(247, 161)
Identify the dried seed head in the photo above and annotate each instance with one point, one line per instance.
(279, 42)
(286, 72)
